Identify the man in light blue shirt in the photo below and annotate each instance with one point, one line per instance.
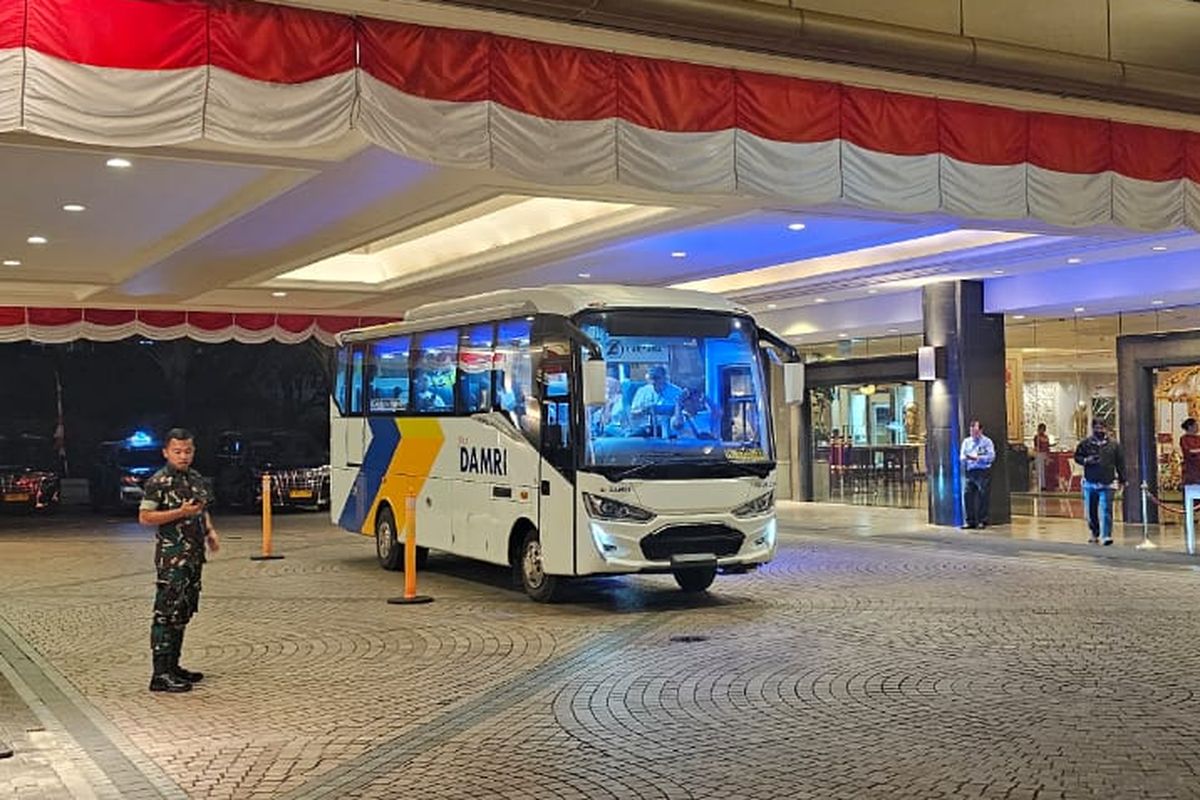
(977, 455)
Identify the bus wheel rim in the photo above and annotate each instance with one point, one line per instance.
(383, 539)
(534, 575)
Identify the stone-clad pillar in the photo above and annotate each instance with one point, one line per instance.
(970, 385)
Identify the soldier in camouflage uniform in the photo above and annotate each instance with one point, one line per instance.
(176, 498)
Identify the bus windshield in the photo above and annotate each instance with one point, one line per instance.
(684, 387)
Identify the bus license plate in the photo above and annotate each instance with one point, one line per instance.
(17, 497)
(300, 494)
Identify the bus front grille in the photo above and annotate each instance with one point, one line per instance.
(717, 540)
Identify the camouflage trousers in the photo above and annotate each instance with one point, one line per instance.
(176, 599)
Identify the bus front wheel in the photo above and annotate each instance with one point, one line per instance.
(534, 580)
(695, 579)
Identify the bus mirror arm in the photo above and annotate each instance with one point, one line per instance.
(588, 343)
(789, 353)
(793, 367)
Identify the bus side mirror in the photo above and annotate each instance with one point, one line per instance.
(595, 382)
(793, 382)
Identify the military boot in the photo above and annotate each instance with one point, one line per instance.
(184, 674)
(164, 679)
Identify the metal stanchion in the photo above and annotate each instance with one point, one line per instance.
(410, 558)
(266, 554)
(1146, 544)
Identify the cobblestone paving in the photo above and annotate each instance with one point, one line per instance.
(905, 664)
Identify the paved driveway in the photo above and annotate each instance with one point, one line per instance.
(873, 658)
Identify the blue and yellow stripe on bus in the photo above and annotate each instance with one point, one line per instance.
(397, 463)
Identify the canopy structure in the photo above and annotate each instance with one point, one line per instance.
(134, 73)
(61, 325)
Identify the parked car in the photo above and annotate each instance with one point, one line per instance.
(297, 463)
(121, 468)
(29, 473)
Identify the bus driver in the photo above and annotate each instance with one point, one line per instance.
(649, 398)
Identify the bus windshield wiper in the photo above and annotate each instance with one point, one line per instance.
(740, 467)
(638, 469)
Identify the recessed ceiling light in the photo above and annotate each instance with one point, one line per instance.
(772, 305)
(997, 272)
(841, 336)
(821, 300)
(893, 330)
(278, 294)
(1018, 316)
(1158, 248)
(1088, 319)
(679, 254)
(872, 291)
(1074, 260)
(12, 262)
(1156, 302)
(1079, 309)
(74, 207)
(37, 240)
(119, 163)
(585, 275)
(797, 226)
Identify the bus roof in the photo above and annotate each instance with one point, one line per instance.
(564, 299)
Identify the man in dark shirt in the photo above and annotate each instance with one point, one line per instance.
(175, 499)
(1103, 463)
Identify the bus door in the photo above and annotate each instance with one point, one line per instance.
(556, 507)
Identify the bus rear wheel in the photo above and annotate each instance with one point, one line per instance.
(387, 546)
(695, 579)
(534, 580)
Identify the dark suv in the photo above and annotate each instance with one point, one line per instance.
(29, 473)
(297, 463)
(121, 468)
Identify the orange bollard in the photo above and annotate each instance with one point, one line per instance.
(266, 522)
(410, 558)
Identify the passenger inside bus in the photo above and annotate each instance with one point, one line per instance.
(654, 402)
(610, 419)
(425, 397)
(696, 416)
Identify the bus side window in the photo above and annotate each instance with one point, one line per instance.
(357, 361)
(435, 362)
(512, 370)
(389, 375)
(341, 380)
(475, 356)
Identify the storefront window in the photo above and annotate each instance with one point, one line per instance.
(1060, 373)
(868, 444)
(1176, 398)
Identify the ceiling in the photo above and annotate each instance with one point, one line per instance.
(354, 229)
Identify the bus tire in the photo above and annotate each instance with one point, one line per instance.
(534, 580)
(387, 545)
(695, 579)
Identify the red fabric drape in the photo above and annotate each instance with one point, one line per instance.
(553, 82)
(130, 34)
(280, 44)
(434, 63)
(1070, 144)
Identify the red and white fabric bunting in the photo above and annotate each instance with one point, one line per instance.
(135, 73)
(61, 325)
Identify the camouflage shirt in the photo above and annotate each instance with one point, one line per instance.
(169, 489)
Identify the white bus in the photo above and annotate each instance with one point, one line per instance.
(562, 431)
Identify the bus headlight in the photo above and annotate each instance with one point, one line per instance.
(759, 505)
(606, 508)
